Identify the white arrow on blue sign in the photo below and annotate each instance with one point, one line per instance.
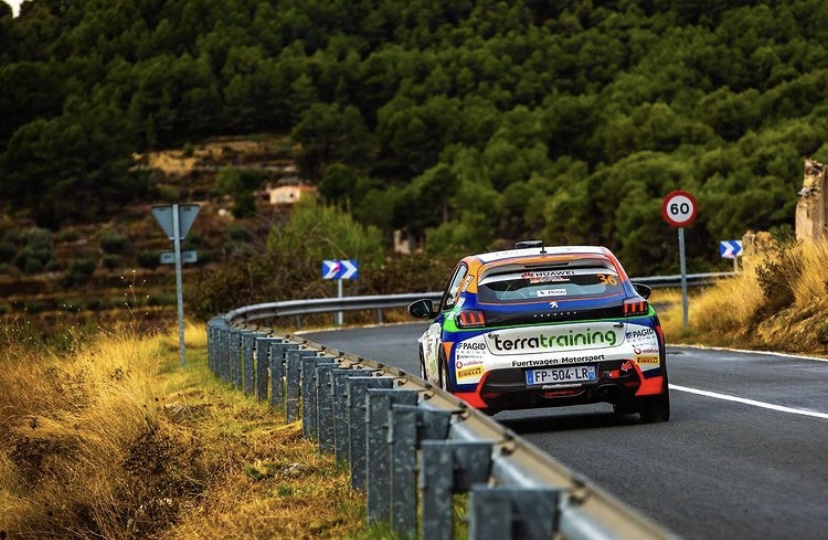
(730, 249)
(340, 269)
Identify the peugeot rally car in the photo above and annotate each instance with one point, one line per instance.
(540, 326)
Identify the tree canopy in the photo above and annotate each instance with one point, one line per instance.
(464, 122)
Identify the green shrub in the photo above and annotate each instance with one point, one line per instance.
(113, 242)
(32, 266)
(778, 278)
(168, 193)
(34, 307)
(7, 251)
(162, 299)
(111, 262)
(149, 259)
(237, 233)
(67, 235)
(79, 272)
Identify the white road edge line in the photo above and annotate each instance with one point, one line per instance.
(748, 351)
(762, 404)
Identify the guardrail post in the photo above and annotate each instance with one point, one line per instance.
(262, 364)
(358, 414)
(341, 412)
(235, 355)
(378, 406)
(278, 353)
(248, 346)
(314, 374)
(449, 467)
(211, 344)
(409, 426)
(402, 436)
(507, 513)
(224, 355)
(294, 381)
(219, 329)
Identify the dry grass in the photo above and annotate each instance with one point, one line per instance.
(779, 302)
(116, 440)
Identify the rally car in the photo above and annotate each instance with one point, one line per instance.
(539, 326)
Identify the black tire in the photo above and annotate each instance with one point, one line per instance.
(441, 370)
(655, 409)
(422, 367)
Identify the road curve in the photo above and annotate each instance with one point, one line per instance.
(745, 454)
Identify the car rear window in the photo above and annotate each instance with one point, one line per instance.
(544, 285)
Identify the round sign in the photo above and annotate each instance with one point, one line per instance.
(679, 208)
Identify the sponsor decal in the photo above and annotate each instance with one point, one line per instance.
(641, 336)
(470, 372)
(626, 366)
(470, 352)
(647, 350)
(638, 334)
(547, 276)
(553, 339)
(561, 360)
(552, 292)
(466, 363)
(646, 359)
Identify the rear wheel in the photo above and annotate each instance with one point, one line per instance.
(442, 371)
(654, 409)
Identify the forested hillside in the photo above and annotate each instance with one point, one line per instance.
(462, 122)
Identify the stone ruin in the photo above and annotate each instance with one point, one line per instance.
(812, 207)
(811, 214)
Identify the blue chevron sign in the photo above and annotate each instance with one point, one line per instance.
(730, 249)
(340, 269)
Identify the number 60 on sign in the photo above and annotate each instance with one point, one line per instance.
(679, 208)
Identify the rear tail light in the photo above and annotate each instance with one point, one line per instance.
(635, 307)
(471, 319)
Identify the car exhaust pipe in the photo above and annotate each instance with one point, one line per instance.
(607, 392)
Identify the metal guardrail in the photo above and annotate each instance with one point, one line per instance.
(378, 303)
(407, 441)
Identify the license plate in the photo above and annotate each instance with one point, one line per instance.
(560, 375)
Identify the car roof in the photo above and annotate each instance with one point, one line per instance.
(540, 252)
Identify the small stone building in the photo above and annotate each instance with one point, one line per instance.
(288, 193)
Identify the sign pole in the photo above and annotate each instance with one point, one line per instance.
(340, 269)
(679, 209)
(176, 221)
(178, 282)
(683, 269)
(339, 295)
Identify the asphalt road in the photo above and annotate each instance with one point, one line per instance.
(745, 454)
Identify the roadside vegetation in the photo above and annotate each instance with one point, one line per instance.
(114, 439)
(779, 302)
(459, 122)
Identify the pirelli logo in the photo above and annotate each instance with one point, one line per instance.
(469, 372)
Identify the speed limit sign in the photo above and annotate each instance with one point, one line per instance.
(679, 208)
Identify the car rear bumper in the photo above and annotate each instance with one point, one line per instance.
(617, 382)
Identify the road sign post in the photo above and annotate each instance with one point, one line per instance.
(679, 210)
(340, 269)
(731, 249)
(176, 221)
